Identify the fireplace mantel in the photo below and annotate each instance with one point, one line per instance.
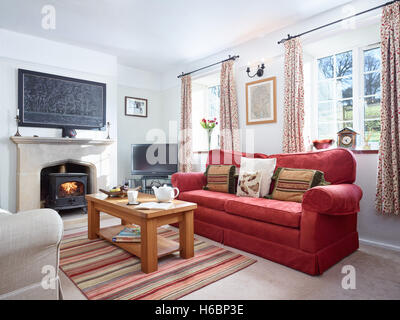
(37, 153)
(40, 140)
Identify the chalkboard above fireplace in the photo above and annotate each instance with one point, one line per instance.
(53, 101)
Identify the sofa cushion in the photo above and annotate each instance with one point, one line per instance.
(265, 166)
(292, 184)
(249, 184)
(208, 199)
(220, 178)
(283, 213)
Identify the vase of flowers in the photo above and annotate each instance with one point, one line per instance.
(209, 125)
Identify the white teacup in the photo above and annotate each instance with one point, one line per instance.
(132, 196)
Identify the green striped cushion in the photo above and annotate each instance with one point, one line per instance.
(291, 184)
(220, 178)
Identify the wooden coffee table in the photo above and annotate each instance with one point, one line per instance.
(152, 246)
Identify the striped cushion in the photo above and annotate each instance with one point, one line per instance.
(291, 184)
(220, 178)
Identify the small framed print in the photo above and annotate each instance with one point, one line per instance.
(261, 101)
(135, 107)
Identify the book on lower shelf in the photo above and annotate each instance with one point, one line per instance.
(128, 234)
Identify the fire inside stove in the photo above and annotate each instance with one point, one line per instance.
(70, 189)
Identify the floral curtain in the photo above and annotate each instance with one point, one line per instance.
(294, 98)
(388, 182)
(229, 118)
(185, 135)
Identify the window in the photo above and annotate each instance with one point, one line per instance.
(214, 94)
(335, 94)
(348, 94)
(372, 95)
(206, 94)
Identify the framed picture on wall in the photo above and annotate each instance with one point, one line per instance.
(261, 101)
(135, 107)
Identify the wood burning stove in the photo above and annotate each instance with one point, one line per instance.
(67, 191)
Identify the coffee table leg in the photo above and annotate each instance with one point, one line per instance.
(93, 221)
(148, 252)
(186, 235)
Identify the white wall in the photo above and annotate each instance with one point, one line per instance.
(134, 130)
(268, 137)
(374, 228)
(32, 53)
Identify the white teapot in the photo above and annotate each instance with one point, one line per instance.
(165, 193)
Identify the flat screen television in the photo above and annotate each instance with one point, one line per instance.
(52, 101)
(154, 159)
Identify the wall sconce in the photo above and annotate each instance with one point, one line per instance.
(260, 71)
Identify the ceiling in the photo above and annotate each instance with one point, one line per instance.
(156, 35)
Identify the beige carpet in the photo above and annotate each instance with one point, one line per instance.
(377, 277)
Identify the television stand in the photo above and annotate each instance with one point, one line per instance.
(149, 181)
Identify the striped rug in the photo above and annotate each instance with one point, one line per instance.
(103, 271)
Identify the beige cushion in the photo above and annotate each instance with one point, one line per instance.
(249, 184)
(265, 166)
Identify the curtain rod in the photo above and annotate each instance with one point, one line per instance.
(334, 22)
(211, 65)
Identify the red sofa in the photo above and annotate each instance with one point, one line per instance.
(310, 236)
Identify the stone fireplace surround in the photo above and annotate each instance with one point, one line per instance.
(35, 153)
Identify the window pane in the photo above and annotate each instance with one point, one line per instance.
(344, 64)
(326, 130)
(214, 94)
(325, 66)
(372, 108)
(344, 88)
(326, 112)
(325, 90)
(214, 101)
(343, 124)
(372, 59)
(345, 110)
(372, 83)
(372, 129)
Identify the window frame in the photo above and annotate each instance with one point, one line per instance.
(206, 109)
(362, 81)
(358, 89)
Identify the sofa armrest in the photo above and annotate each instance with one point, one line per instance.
(29, 230)
(188, 181)
(29, 241)
(340, 199)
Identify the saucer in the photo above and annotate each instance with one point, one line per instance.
(133, 203)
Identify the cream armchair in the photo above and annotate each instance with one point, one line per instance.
(29, 254)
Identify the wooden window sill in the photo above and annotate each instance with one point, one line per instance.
(365, 151)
